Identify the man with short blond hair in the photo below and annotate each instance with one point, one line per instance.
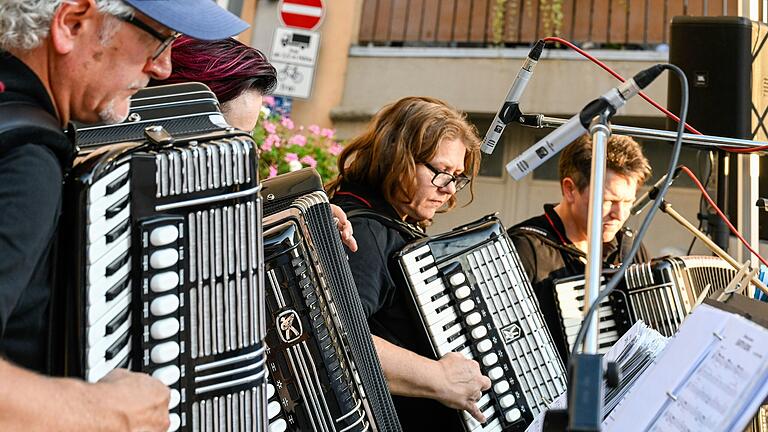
(554, 245)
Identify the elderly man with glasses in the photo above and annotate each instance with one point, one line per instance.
(408, 165)
(63, 61)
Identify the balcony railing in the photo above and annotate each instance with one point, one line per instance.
(469, 23)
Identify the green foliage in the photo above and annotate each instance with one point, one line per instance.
(286, 147)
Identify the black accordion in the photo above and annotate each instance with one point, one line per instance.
(324, 374)
(473, 297)
(162, 268)
(661, 293)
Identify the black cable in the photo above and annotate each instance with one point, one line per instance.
(702, 201)
(616, 278)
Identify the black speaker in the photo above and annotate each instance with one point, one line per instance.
(726, 61)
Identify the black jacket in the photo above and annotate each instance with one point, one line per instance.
(31, 168)
(547, 255)
(386, 300)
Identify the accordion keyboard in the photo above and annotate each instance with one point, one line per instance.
(168, 279)
(477, 301)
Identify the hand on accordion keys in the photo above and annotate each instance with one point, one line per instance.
(463, 384)
(138, 401)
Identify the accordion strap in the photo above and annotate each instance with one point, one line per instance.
(19, 120)
(388, 221)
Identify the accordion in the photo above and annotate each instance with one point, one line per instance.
(162, 271)
(324, 374)
(661, 293)
(473, 297)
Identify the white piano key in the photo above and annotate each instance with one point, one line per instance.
(163, 258)
(99, 228)
(164, 281)
(167, 375)
(451, 346)
(95, 353)
(97, 270)
(98, 371)
(98, 189)
(99, 318)
(97, 210)
(423, 275)
(164, 305)
(410, 259)
(97, 293)
(164, 328)
(164, 352)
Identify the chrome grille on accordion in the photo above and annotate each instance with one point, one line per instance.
(324, 373)
(474, 297)
(661, 293)
(164, 274)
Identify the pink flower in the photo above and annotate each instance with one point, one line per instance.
(315, 129)
(309, 160)
(268, 101)
(298, 139)
(287, 123)
(271, 140)
(328, 133)
(272, 171)
(269, 127)
(291, 157)
(335, 149)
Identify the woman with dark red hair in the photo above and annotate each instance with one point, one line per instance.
(239, 75)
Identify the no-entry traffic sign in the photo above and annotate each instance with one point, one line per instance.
(303, 14)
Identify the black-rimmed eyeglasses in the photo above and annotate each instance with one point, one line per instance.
(165, 40)
(443, 179)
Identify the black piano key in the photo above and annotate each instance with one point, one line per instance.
(116, 208)
(116, 264)
(117, 184)
(118, 231)
(119, 344)
(117, 321)
(118, 288)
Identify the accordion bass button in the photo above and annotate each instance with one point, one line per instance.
(512, 415)
(164, 352)
(484, 345)
(495, 373)
(501, 387)
(164, 281)
(507, 401)
(163, 258)
(479, 332)
(164, 235)
(273, 409)
(173, 402)
(466, 306)
(270, 391)
(490, 359)
(164, 328)
(164, 305)
(473, 319)
(175, 422)
(462, 292)
(167, 375)
(457, 279)
(278, 425)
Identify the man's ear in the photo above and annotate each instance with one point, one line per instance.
(568, 186)
(71, 23)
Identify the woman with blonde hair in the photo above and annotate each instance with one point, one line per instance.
(408, 165)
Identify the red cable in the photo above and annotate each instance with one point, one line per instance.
(720, 213)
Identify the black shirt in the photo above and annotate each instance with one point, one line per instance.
(386, 300)
(30, 201)
(547, 255)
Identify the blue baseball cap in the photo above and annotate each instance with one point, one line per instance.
(199, 19)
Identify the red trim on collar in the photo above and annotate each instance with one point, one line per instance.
(356, 196)
(552, 224)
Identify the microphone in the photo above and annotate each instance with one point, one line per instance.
(578, 125)
(650, 195)
(510, 109)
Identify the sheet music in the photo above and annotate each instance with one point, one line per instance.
(634, 352)
(711, 377)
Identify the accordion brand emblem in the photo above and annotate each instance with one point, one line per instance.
(511, 332)
(289, 326)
